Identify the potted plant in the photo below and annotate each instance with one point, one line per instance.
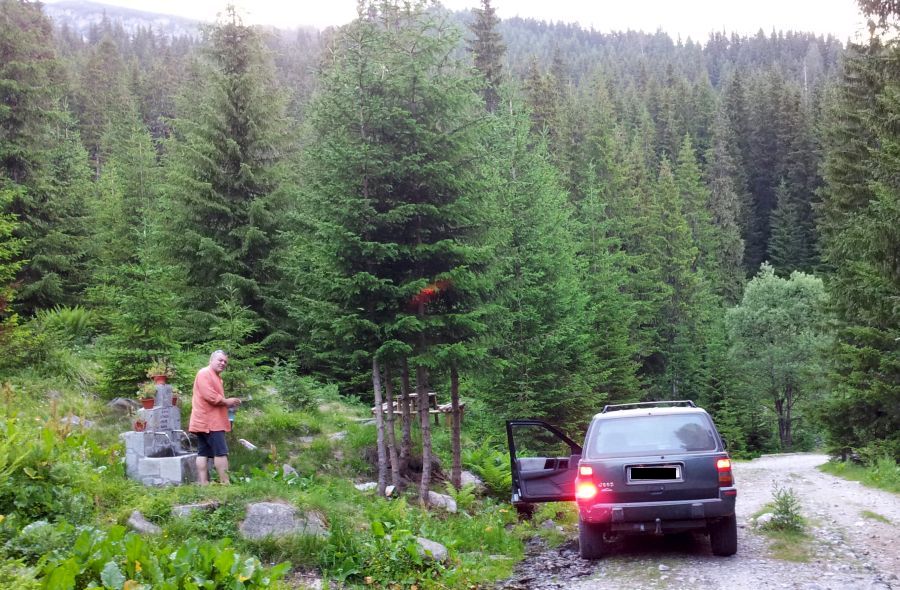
(140, 425)
(175, 393)
(147, 394)
(160, 371)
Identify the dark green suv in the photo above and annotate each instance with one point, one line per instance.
(645, 468)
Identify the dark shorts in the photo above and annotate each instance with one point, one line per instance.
(211, 444)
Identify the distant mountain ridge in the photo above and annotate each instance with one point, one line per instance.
(81, 15)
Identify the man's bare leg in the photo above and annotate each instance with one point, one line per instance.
(221, 464)
(202, 473)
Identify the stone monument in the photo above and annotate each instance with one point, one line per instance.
(162, 453)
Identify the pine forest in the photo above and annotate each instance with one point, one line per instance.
(532, 220)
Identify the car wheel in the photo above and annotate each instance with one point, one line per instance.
(590, 540)
(723, 536)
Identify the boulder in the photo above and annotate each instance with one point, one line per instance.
(123, 405)
(441, 501)
(431, 549)
(468, 478)
(139, 524)
(277, 519)
(365, 487)
(185, 510)
(428, 549)
(287, 472)
(764, 519)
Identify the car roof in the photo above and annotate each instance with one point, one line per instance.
(648, 411)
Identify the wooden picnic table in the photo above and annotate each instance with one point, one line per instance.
(434, 407)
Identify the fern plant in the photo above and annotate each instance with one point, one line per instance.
(492, 466)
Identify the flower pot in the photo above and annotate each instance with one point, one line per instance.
(147, 403)
(139, 425)
(160, 379)
(174, 400)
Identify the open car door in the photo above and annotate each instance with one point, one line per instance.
(543, 460)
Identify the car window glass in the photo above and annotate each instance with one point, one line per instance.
(536, 441)
(652, 434)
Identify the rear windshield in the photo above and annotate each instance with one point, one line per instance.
(640, 435)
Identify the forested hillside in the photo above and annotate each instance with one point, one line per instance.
(533, 218)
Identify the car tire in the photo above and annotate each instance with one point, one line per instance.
(723, 536)
(590, 540)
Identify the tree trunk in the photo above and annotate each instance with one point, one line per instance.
(406, 442)
(425, 425)
(391, 435)
(379, 427)
(782, 430)
(788, 420)
(456, 418)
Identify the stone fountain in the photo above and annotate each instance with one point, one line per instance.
(162, 453)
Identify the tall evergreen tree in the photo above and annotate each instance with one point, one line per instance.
(788, 248)
(859, 225)
(392, 174)
(488, 49)
(722, 178)
(41, 162)
(226, 179)
(542, 364)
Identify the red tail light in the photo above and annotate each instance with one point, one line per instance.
(726, 479)
(585, 490)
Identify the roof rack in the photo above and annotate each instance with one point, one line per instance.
(664, 404)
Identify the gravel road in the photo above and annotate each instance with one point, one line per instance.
(851, 548)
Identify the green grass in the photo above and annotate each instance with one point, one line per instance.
(789, 545)
(883, 475)
(875, 516)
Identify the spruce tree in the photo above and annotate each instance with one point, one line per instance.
(788, 247)
(41, 162)
(392, 175)
(542, 363)
(859, 225)
(225, 180)
(725, 205)
(487, 49)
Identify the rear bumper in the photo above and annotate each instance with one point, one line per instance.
(672, 515)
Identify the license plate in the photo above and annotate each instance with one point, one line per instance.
(643, 473)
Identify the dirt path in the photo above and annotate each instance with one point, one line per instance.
(849, 550)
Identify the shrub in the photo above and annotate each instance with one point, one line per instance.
(786, 511)
(300, 393)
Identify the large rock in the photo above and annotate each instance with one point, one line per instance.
(441, 501)
(123, 405)
(185, 510)
(276, 519)
(467, 478)
(431, 549)
(138, 523)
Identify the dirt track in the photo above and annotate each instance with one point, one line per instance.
(848, 550)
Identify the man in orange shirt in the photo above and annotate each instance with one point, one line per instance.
(209, 418)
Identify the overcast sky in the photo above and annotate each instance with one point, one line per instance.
(694, 18)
